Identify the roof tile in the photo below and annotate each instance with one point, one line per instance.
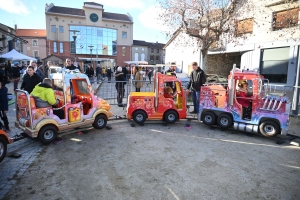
(31, 32)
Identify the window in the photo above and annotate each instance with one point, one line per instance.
(285, 19)
(136, 57)
(123, 51)
(36, 54)
(244, 26)
(157, 57)
(152, 50)
(157, 50)
(54, 47)
(274, 64)
(124, 34)
(104, 40)
(61, 47)
(143, 49)
(142, 57)
(61, 29)
(136, 48)
(53, 28)
(34, 43)
(151, 57)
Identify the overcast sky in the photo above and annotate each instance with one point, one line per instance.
(30, 14)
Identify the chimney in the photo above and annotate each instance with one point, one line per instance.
(16, 27)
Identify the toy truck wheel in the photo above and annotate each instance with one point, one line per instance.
(3, 148)
(171, 116)
(47, 134)
(209, 118)
(100, 122)
(225, 121)
(269, 128)
(139, 117)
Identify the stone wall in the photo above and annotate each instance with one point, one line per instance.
(221, 64)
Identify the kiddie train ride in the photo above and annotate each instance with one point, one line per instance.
(218, 104)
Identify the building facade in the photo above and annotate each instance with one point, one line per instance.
(36, 46)
(9, 40)
(100, 37)
(271, 46)
(153, 53)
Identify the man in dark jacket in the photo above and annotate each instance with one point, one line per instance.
(30, 80)
(125, 72)
(3, 107)
(120, 83)
(70, 66)
(89, 71)
(197, 79)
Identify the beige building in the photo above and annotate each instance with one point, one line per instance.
(101, 37)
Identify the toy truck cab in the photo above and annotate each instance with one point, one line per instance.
(267, 113)
(78, 107)
(157, 105)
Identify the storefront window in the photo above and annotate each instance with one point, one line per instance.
(104, 40)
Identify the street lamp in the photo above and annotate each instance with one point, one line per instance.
(91, 49)
(74, 38)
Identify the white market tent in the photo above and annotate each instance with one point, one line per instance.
(14, 55)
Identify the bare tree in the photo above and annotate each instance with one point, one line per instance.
(213, 23)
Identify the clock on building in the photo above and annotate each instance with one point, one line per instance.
(94, 17)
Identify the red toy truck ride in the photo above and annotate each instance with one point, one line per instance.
(154, 105)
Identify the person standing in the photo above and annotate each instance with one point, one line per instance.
(125, 72)
(98, 73)
(3, 75)
(16, 74)
(120, 84)
(89, 71)
(3, 107)
(197, 79)
(46, 68)
(36, 69)
(109, 74)
(138, 77)
(150, 75)
(70, 66)
(30, 80)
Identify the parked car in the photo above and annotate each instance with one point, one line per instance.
(215, 78)
(210, 78)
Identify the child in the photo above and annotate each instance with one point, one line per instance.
(168, 92)
(3, 107)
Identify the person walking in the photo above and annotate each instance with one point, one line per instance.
(89, 71)
(120, 84)
(16, 74)
(98, 73)
(138, 77)
(30, 80)
(197, 79)
(109, 74)
(4, 107)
